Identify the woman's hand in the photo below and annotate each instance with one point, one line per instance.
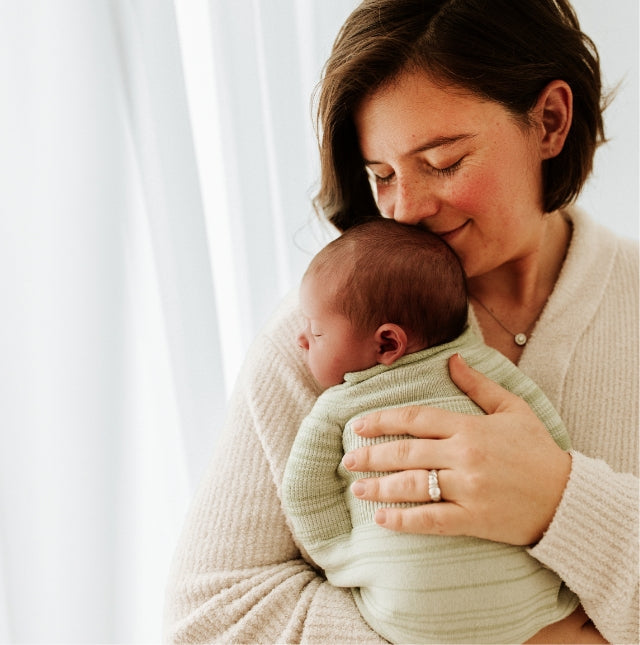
(501, 475)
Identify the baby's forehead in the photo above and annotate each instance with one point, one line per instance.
(319, 288)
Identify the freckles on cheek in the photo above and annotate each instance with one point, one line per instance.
(472, 195)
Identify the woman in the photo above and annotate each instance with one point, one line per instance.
(477, 121)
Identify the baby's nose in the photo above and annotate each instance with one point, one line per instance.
(302, 340)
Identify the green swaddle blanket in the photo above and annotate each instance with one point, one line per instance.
(416, 588)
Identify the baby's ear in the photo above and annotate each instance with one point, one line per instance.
(391, 342)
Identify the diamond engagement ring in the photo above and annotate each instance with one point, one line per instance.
(434, 486)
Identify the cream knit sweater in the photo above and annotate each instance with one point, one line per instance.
(238, 574)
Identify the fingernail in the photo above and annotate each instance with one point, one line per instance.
(381, 516)
(357, 488)
(357, 425)
(348, 461)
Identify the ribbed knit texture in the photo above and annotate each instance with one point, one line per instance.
(476, 591)
(240, 577)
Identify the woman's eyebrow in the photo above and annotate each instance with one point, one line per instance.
(436, 142)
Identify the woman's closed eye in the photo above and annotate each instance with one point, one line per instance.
(382, 180)
(440, 171)
(447, 170)
(385, 180)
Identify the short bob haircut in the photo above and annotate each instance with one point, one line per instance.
(502, 50)
(383, 271)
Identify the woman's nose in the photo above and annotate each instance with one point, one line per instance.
(412, 202)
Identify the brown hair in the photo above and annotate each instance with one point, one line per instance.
(503, 50)
(388, 272)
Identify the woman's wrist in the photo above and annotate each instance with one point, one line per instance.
(596, 504)
(557, 479)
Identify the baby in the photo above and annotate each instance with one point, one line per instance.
(385, 307)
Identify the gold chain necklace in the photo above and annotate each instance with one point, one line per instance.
(519, 339)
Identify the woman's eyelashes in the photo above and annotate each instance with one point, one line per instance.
(445, 171)
(387, 179)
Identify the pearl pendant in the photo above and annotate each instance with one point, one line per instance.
(520, 339)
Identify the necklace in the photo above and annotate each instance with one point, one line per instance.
(519, 339)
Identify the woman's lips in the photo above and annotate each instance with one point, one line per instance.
(449, 236)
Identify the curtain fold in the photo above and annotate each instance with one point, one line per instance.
(157, 117)
(264, 60)
(112, 383)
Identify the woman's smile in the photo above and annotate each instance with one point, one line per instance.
(478, 181)
(451, 235)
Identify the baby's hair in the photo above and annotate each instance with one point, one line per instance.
(383, 271)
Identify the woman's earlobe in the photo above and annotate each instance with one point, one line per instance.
(554, 110)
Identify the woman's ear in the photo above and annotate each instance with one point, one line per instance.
(553, 113)
(391, 343)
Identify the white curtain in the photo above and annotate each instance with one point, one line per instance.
(156, 165)
(113, 378)
(111, 362)
(251, 68)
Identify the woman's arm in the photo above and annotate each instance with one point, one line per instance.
(504, 480)
(238, 576)
(602, 570)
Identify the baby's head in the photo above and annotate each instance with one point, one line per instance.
(379, 291)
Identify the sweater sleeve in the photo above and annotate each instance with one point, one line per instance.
(238, 575)
(603, 570)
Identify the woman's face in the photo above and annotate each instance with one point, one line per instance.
(460, 166)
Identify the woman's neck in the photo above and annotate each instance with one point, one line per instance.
(512, 296)
(533, 274)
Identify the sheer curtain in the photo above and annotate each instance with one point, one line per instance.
(251, 68)
(111, 379)
(157, 160)
(114, 380)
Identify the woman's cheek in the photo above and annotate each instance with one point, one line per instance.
(476, 193)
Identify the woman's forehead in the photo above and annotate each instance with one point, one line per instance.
(415, 113)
